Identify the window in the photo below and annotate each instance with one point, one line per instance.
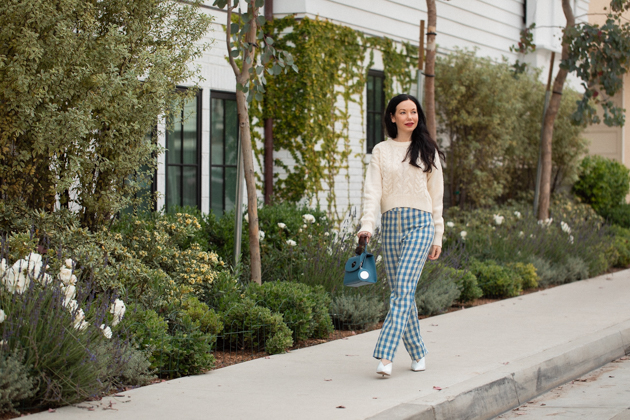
(183, 171)
(375, 109)
(144, 198)
(223, 152)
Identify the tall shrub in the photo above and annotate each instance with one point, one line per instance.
(491, 122)
(81, 84)
(478, 106)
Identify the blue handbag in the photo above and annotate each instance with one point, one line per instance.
(360, 269)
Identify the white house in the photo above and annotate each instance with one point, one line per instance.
(199, 168)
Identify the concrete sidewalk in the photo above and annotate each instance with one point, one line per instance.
(486, 360)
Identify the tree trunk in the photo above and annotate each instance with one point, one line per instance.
(429, 72)
(548, 122)
(242, 74)
(250, 183)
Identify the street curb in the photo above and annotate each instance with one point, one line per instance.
(500, 390)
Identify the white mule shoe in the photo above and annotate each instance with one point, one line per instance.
(418, 365)
(384, 370)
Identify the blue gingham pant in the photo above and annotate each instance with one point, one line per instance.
(407, 238)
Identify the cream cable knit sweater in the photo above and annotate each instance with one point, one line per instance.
(394, 183)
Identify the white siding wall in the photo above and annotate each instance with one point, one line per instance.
(491, 26)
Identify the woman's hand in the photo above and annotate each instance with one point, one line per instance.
(367, 235)
(434, 252)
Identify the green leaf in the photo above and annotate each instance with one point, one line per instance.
(259, 97)
(259, 3)
(295, 68)
(235, 53)
(276, 69)
(269, 40)
(234, 27)
(259, 70)
(260, 20)
(220, 3)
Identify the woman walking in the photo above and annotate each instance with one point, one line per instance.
(405, 178)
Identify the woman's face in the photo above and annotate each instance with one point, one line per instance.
(406, 117)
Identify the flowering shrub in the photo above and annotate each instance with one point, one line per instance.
(51, 324)
(574, 236)
(168, 242)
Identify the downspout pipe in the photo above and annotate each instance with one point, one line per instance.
(268, 130)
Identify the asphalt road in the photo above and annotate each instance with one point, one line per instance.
(603, 394)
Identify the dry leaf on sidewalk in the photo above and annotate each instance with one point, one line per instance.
(437, 388)
(340, 406)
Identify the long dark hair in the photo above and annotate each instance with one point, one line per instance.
(422, 145)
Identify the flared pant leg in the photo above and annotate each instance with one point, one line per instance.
(407, 238)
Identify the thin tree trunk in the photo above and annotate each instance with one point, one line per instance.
(250, 183)
(242, 77)
(429, 72)
(550, 118)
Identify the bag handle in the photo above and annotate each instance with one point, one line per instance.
(362, 245)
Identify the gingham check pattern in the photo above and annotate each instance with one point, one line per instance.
(407, 238)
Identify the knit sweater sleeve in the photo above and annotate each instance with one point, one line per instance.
(435, 186)
(372, 192)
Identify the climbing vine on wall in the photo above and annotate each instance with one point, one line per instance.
(312, 109)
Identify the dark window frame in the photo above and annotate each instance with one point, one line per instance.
(223, 95)
(378, 114)
(167, 164)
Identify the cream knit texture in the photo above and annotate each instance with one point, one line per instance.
(393, 183)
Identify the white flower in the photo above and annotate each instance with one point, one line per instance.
(107, 332)
(565, 228)
(3, 316)
(291, 242)
(304, 226)
(308, 218)
(517, 214)
(71, 305)
(118, 310)
(261, 235)
(46, 279)
(81, 326)
(246, 217)
(282, 226)
(69, 263)
(545, 223)
(79, 317)
(69, 294)
(450, 224)
(498, 219)
(3, 267)
(571, 239)
(66, 276)
(463, 234)
(326, 234)
(16, 278)
(3, 343)
(521, 234)
(379, 259)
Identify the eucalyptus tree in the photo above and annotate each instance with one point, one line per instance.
(81, 84)
(251, 53)
(600, 57)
